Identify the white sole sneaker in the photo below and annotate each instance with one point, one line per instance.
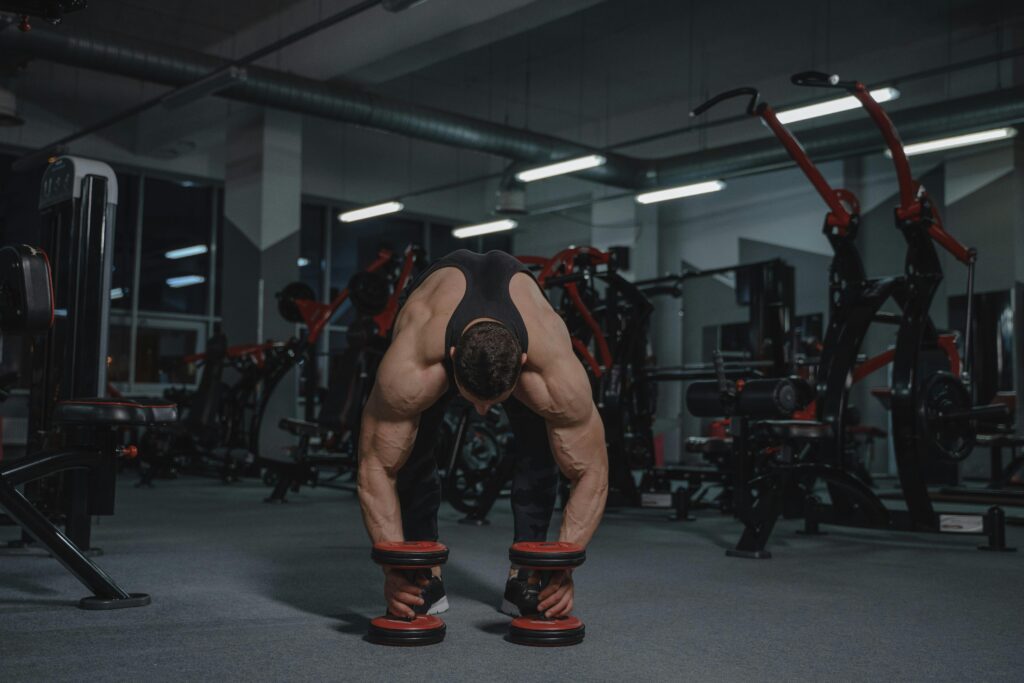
(508, 608)
(439, 607)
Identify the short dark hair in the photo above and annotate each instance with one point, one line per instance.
(487, 360)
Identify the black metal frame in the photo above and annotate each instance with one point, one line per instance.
(68, 361)
(94, 497)
(855, 302)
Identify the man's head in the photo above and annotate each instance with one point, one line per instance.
(487, 362)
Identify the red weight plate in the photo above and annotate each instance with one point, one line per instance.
(545, 555)
(409, 554)
(423, 630)
(535, 623)
(540, 632)
(422, 622)
(545, 547)
(410, 546)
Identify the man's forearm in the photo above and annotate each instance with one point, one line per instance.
(585, 508)
(582, 456)
(378, 497)
(380, 446)
(584, 452)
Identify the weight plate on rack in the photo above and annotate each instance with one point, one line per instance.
(951, 440)
(369, 292)
(286, 298)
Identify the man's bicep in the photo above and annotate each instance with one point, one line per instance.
(574, 382)
(387, 437)
(403, 390)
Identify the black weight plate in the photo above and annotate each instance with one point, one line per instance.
(286, 298)
(951, 440)
(369, 292)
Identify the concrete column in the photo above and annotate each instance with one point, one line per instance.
(624, 223)
(262, 206)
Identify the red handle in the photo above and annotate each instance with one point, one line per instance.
(838, 215)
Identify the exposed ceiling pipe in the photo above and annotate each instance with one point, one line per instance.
(346, 103)
(331, 100)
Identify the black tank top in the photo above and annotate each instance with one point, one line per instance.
(487, 279)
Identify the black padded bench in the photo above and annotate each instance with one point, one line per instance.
(91, 427)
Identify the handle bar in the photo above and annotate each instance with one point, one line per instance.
(838, 216)
(752, 93)
(910, 190)
(820, 79)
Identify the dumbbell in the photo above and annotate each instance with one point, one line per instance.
(417, 558)
(545, 558)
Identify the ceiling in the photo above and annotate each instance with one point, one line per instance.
(596, 71)
(194, 24)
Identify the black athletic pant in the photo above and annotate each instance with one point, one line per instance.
(534, 477)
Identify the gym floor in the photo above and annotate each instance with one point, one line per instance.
(243, 590)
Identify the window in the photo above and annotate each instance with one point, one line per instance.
(219, 261)
(176, 233)
(312, 252)
(159, 348)
(123, 275)
(119, 344)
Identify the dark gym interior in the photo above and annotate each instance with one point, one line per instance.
(511, 339)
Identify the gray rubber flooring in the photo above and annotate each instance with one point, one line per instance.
(247, 591)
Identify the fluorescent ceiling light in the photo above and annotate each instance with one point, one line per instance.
(680, 192)
(484, 228)
(993, 135)
(185, 252)
(561, 168)
(813, 111)
(302, 261)
(117, 293)
(185, 281)
(370, 212)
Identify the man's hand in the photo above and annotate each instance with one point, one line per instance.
(556, 598)
(400, 594)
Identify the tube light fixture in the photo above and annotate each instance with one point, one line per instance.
(561, 168)
(185, 281)
(484, 228)
(185, 252)
(927, 146)
(813, 111)
(680, 192)
(370, 212)
(302, 261)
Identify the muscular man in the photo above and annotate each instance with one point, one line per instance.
(480, 326)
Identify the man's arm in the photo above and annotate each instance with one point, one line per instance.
(577, 441)
(404, 388)
(562, 396)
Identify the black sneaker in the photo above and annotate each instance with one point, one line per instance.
(435, 600)
(521, 597)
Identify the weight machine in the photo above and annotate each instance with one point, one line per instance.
(374, 294)
(69, 473)
(931, 418)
